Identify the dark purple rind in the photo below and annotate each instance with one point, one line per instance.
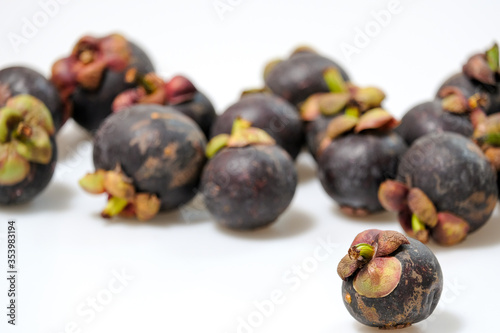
(271, 113)
(91, 107)
(300, 76)
(248, 188)
(35, 182)
(453, 172)
(201, 110)
(352, 168)
(470, 87)
(23, 80)
(429, 117)
(413, 300)
(136, 142)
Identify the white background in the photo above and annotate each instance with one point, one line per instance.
(188, 274)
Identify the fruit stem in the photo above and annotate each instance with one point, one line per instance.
(114, 206)
(352, 111)
(215, 144)
(364, 250)
(491, 139)
(133, 75)
(240, 124)
(492, 57)
(334, 80)
(416, 224)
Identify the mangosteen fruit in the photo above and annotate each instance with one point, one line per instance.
(453, 113)
(344, 97)
(93, 75)
(28, 150)
(147, 158)
(249, 180)
(357, 155)
(299, 76)
(271, 113)
(445, 189)
(26, 81)
(179, 93)
(481, 75)
(389, 281)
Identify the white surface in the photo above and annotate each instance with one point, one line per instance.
(190, 275)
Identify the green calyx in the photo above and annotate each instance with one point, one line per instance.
(25, 129)
(242, 135)
(334, 80)
(416, 224)
(123, 199)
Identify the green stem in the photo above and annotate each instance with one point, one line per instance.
(334, 80)
(114, 206)
(493, 58)
(491, 139)
(365, 250)
(416, 224)
(352, 111)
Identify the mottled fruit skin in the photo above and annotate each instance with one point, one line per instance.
(470, 87)
(300, 76)
(34, 183)
(91, 107)
(413, 300)
(352, 168)
(429, 117)
(248, 188)
(161, 149)
(454, 173)
(273, 114)
(201, 110)
(22, 80)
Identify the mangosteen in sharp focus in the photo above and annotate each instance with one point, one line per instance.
(179, 93)
(147, 158)
(356, 156)
(299, 76)
(445, 189)
(28, 150)
(454, 113)
(94, 74)
(271, 113)
(319, 109)
(22, 80)
(249, 180)
(390, 281)
(479, 75)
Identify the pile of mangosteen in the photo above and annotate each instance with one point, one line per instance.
(158, 143)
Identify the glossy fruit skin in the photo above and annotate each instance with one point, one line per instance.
(271, 113)
(23, 80)
(161, 149)
(454, 173)
(248, 188)
(36, 181)
(352, 168)
(201, 110)
(300, 76)
(429, 117)
(470, 87)
(91, 107)
(413, 300)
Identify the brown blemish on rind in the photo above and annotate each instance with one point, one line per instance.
(170, 150)
(348, 298)
(370, 313)
(478, 199)
(146, 140)
(152, 167)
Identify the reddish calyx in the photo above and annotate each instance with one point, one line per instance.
(151, 89)
(377, 273)
(242, 135)
(342, 96)
(122, 197)
(86, 65)
(374, 119)
(25, 130)
(419, 217)
(484, 67)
